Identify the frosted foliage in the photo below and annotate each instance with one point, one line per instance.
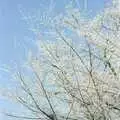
(71, 80)
(104, 32)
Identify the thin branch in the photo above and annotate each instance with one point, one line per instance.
(45, 93)
(23, 117)
(27, 90)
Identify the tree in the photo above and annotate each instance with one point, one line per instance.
(76, 76)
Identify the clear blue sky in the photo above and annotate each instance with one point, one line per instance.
(14, 33)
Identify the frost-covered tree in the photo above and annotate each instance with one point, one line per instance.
(76, 75)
